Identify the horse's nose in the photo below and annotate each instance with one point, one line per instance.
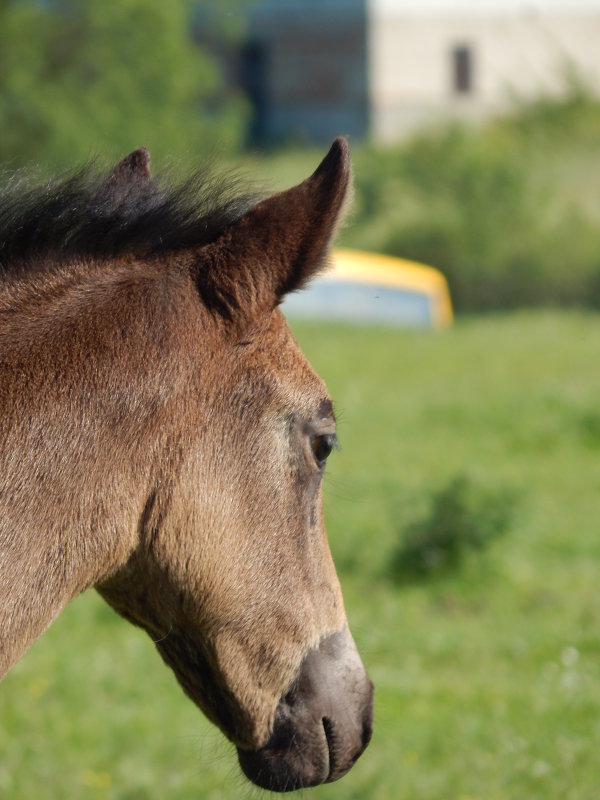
(322, 724)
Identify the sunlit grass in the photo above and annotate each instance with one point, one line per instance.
(487, 680)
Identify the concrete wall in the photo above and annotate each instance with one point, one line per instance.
(411, 80)
(318, 68)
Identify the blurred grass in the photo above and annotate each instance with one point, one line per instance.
(486, 679)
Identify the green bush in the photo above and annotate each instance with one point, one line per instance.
(462, 519)
(508, 211)
(103, 77)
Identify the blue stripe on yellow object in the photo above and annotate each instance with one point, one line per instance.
(374, 288)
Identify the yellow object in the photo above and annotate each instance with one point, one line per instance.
(387, 271)
(372, 289)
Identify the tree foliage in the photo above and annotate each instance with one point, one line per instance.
(81, 77)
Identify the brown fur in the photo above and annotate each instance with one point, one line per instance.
(155, 442)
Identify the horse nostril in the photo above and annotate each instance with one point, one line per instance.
(367, 732)
(367, 726)
(328, 728)
(290, 698)
(338, 766)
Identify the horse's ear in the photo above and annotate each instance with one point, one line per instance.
(275, 247)
(130, 176)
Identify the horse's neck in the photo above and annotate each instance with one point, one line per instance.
(51, 549)
(73, 472)
(62, 530)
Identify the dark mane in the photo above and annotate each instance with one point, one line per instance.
(79, 217)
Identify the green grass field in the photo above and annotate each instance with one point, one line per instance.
(487, 680)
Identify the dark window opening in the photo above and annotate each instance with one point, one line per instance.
(253, 79)
(462, 69)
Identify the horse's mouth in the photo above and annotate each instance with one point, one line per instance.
(303, 760)
(284, 767)
(321, 727)
(322, 724)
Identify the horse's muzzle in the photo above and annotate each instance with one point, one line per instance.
(322, 725)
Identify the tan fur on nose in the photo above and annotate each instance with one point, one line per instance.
(157, 425)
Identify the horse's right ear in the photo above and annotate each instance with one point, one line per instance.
(278, 245)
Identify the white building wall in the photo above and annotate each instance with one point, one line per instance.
(514, 53)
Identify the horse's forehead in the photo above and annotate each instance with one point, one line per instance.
(281, 355)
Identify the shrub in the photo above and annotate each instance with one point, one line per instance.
(462, 519)
(507, 211)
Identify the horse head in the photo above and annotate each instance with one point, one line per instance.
(233, 576)
(164, 439)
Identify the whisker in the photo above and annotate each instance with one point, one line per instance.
(162, 638)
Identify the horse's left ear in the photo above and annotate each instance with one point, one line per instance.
(275, 247)
(131, 177)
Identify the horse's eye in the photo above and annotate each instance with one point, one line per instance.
(322, 446)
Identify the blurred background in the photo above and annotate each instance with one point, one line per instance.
(463, 507)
